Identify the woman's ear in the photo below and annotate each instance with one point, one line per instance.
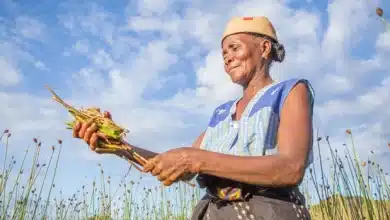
(266, 48)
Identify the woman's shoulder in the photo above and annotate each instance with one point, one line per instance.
(296, 84)
(286, 86)
(275, 96)
(291, 82)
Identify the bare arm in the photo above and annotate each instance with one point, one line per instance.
(198, 141)
(284, 169)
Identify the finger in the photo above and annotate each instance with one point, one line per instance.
(174, 176)
(76, 129)
(84, 128)
(147, 167)
(151, 163)
(93, 142)
(157, 170)
(166, 173)
(107, 114)
(88, 133)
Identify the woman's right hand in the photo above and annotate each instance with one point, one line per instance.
(88, 131)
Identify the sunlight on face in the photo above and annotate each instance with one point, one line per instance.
(241, 57)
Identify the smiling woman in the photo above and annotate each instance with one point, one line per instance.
(254, 152)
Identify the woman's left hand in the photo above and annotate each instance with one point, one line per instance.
(171, 166)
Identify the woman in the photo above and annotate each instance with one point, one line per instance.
(254, 152)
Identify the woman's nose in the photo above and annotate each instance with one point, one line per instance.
(228, 60)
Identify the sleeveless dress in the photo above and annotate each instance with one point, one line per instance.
(254, 134)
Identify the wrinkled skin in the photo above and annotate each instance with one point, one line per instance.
(244, 57)
(174, 165)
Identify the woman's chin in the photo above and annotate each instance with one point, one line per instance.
(236, 79)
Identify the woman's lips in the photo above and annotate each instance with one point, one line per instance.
(231, 69)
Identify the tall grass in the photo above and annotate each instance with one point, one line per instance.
(352, 188)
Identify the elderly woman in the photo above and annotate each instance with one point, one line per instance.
(254, 152)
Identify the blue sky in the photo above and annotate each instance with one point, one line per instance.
(157, 67)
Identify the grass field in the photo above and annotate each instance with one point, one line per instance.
(349, 189)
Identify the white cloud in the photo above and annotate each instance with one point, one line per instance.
(299, 30)
(149, 7)
(15, 48)
(81, 47)
(213, 83)
(92, 19)
(28, 113)
(30, 28)
(346, 20)
(201, 26)
(40, 65)
(102, 60)
(129, 81)
(371, 102)
(88, 79)
(383, 41)
(338, 83)
(377, 97)
(140, 23)
(8, 74)
(130, 57)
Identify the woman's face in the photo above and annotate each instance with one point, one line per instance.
(242, 54)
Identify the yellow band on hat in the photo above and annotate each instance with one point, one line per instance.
(259, 25)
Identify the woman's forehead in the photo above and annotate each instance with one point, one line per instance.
(235, 38)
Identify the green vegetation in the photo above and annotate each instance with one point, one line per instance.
(351, 189)
(354, 188)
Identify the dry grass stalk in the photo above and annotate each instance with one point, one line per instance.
(113, 142)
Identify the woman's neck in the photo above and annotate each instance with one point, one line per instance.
(258, 82)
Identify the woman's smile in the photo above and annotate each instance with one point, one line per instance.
(232, 68)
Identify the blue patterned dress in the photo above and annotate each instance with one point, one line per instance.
(255, 134)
